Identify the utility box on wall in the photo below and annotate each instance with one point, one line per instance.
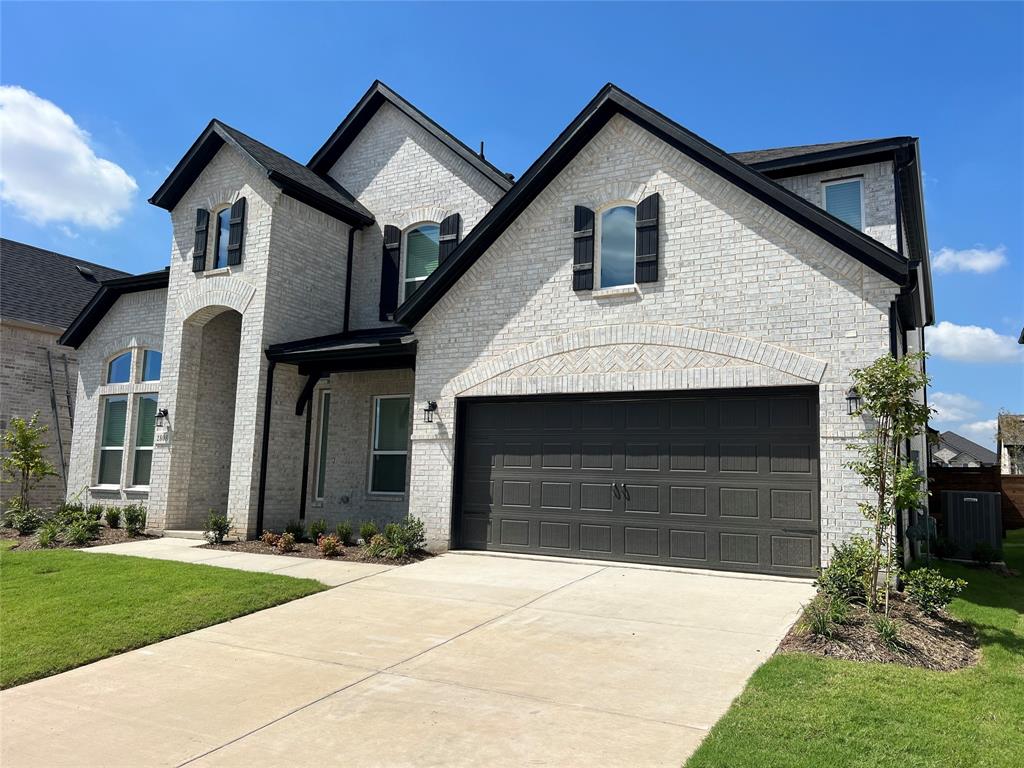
(972, 518)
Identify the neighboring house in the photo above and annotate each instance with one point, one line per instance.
(41, 292)
(948, 449)
(641, 350)
(1010, 443)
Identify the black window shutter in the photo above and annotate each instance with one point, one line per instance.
(199, 252)
(236, 231)
(389, 272)
(647, 239)
(449, 237)
(583, 249)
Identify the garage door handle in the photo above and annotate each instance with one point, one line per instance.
(615, 487)
(625, 491)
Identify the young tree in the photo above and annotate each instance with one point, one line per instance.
(23, 461)
(889, 391)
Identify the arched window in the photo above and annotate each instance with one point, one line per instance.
(220, 251)
(422, 244)
(119, 370)
(616, 252)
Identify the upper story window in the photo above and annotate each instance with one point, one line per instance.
(422, 248)
(220, 251)
(616, 251)
(119, 370)
(151, 362)
(844, 199)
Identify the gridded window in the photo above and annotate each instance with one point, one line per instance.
(422, 246)
(321, 464)
(115, 417)
(390, 447)
(844, 200)
(151, 361)
(617, 250)
(145, 428)
(119, 370)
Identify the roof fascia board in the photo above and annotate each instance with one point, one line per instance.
(104, 298)
(611, 100)
(832, 158)
(367, 107)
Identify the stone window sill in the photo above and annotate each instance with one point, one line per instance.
(618, 290)
(138, 490)
(104, 489)
(218, 271)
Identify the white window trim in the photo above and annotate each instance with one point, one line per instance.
(598, 216)
(132, 390)
(130, 351)
(846, 180)
(402, 257)
(374, 452)
(322, 431)
(134, 437)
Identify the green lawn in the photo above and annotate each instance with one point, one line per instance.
(799, 710)
(61, 608)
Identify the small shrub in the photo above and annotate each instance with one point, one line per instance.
(113, 517)
(377, 546)
(286, 542)
(824, 614)
(49, 534)
(317, 529)
(296, 529)
(984, 553)
(932, 591)
(848, 576)
(329, 546)
(81, 531)
(344, 533)
(24, 521)
(270, 538)
(69, 511)
(217, 527)
(367, 531)
(887, 630)
(134, 519)
(412, 534)
(95, 511)
(942, 547)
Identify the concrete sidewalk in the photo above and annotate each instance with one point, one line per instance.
(330, 572)
(459, 660)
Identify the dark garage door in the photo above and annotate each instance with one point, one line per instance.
(724, 480)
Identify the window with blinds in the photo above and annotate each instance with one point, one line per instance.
(422, 246)
(145, 429)
(115, 417)
(844, 200)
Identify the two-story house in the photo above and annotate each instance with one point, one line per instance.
(640, 351)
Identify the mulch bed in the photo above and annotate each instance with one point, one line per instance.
(106, 536)
(309, 549)
(930, 642)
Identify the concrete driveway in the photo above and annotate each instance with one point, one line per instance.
(458, 660)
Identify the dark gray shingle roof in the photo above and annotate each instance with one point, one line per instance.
(961, 444)
(41, 286)
(755, 156)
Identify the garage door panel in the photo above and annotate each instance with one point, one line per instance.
(714, 480)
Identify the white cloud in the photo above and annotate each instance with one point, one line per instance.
(48, 171)
(981, 432)
(979, 260)
(952, 406)
(972, 344)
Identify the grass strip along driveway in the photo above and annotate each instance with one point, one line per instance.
(800, 710)
(61, 608)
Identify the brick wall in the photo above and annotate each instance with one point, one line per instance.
(25, 388)
(729, 264)
(405, 176)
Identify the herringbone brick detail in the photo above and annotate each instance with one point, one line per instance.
(621, 358)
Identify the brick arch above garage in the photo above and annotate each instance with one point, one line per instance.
(637, 357)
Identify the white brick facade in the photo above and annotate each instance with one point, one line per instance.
(745, 298)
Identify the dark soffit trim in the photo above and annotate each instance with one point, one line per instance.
(104, 298)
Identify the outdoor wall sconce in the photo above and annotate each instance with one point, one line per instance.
(428, 412)
(161, 417)
(852, 400)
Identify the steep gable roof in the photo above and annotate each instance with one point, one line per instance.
(378, 95)
(291, 177)
(45, 287)
(103, 299)
(611, 101)
(961, 445)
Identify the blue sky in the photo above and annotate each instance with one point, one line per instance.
(138, 82)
